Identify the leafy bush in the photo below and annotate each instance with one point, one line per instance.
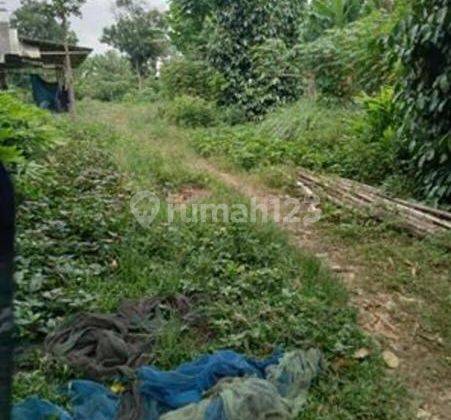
(150, 92)
(248, 37)
(424, 95)
(25, 131)
(373, 154)
(106, 77)
(358, 143)
(232, 115)
(191, 111)
(305, 134)
(182, 76)
(243, 146)
(276, 79)
(320, 15)
(347, 60)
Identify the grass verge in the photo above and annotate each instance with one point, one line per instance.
(255, 291)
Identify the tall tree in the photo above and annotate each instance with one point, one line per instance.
(63, 10)
(243, 40)
(242, 36)
(423, 46)
(37, 19)
(107, 77)
(140, 34)
(320, 15)
(188, 20)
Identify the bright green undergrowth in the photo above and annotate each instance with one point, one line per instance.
(355, 141)
(254, 290)
(25, 131)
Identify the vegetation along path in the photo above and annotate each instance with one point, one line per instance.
(397, 283)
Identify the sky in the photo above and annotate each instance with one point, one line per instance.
(96, 15)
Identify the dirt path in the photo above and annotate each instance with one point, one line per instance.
(410, 353)
(393, 318)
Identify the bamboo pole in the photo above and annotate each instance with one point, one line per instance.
(418, 219)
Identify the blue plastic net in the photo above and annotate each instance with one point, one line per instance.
(271, 385)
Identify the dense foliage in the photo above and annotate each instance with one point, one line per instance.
(265, 53)
(373, 153)
(236, 48)
(320, 15)
(37, 20)
(424, 95)
(25, 131)
(106, 77)
(241, 40)
(140, 35)
(189, 111)
(188, 20)
(182, 76)
(359, 144)
(346, 60)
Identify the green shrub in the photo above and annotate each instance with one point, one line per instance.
(150, 92)
(25, 131)
(275, 80)
(355, 142)
(308, 119)
(347, 60)
(106, 77)
(243, 146)
(182, 76)
(372, 154)
(305, 133)
(232, 115)
(191, 111)
(321, 15)
(424, 95)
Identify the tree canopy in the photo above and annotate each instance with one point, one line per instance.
(140, 35)
(38, 20)
(106, 77)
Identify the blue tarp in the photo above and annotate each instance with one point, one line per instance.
(161, 391)
(222, 386)
(48, 95)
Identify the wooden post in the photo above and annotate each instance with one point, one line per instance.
(3, 84)
(68, 72)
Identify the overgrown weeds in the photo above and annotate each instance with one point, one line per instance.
(257, 292)
(355, 141)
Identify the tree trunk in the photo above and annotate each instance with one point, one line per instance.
(140, 77)
(3, 84)
(68, 72)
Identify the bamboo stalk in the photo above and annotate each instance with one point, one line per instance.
(418, 219)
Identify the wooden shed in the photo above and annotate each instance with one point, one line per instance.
(25, 54)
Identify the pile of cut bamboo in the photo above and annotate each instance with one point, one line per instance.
(418, 219)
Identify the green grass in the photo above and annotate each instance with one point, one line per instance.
(354, 141)
(306, 133)
(253, 289)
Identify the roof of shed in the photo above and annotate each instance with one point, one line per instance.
(44, 54)
(53, 54)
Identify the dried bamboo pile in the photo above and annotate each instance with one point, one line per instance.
(418, 219)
